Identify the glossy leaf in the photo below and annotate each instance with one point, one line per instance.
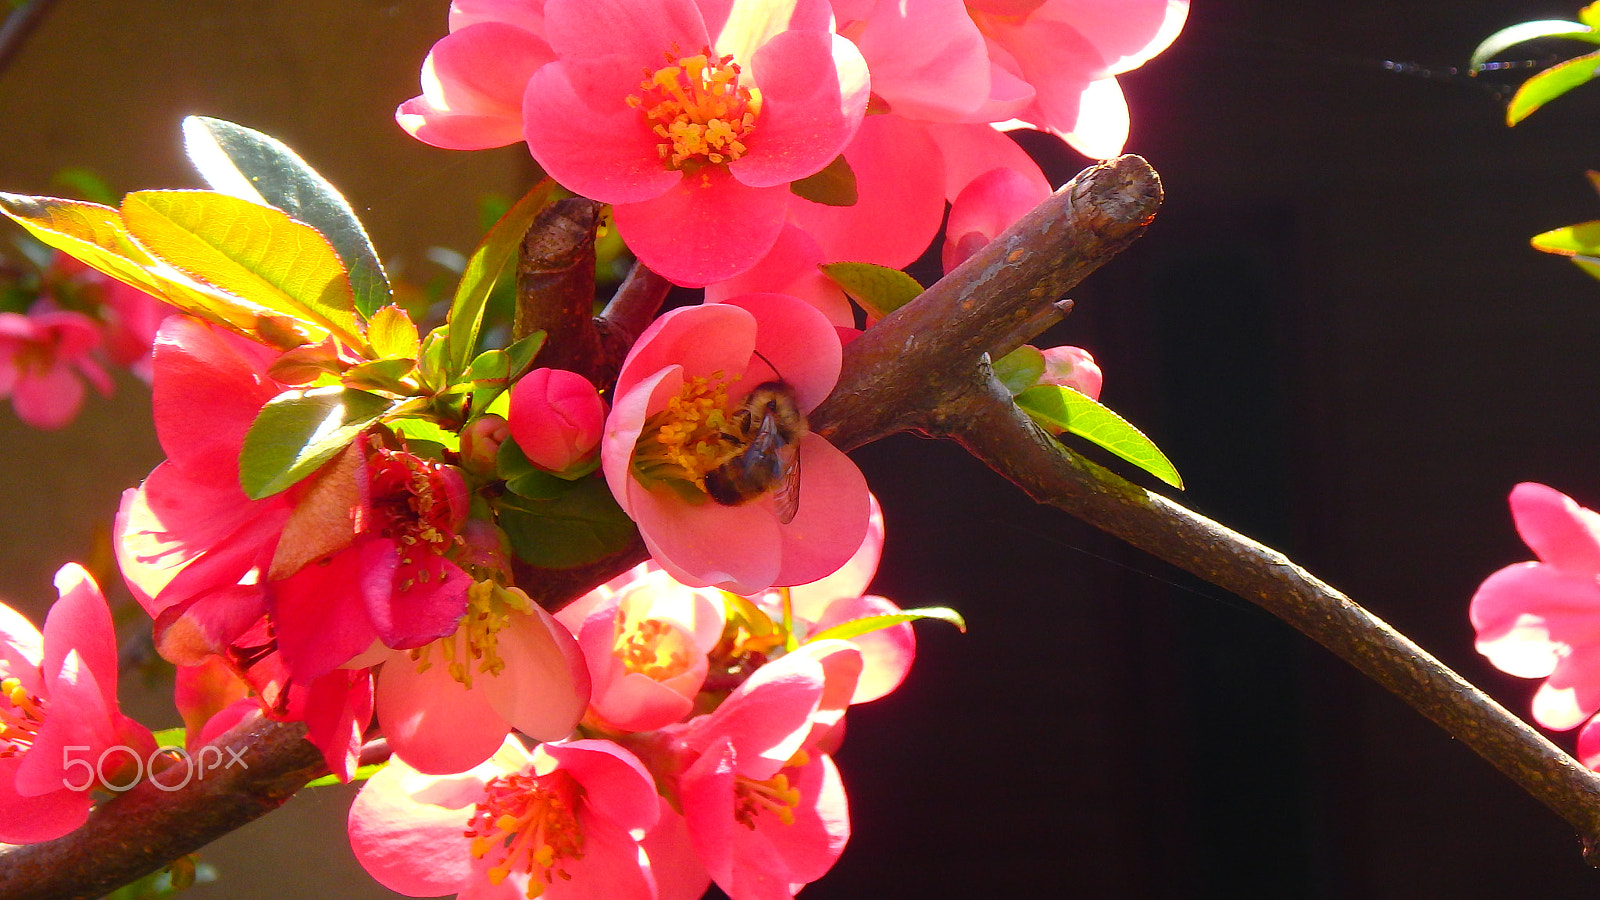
(298, 431)
(1020, 369)
(97, 236)
(1550, 84)
(381, 375)
(245, 163)
(1062, 409)
(580, 526)
(835, 185)
(392, 334)
(250, 251)
(868, 624)
(879, 289)
(1590, 15)
(484, 268)
(426, 430)
(1522, 32)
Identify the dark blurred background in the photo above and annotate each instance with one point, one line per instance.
(1335, 328)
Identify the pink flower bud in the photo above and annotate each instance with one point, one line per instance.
(556, 418)
(1072, 367)
(480, 444)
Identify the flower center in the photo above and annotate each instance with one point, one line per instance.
(699, 110)
(21, 715)
(476, 642)
(652, 648)
(775, 795)
(529, 823)
(412, 501)
(688, 438)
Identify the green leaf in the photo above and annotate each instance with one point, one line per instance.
(1589, 264)
(1590, 15)
(170, 737)
(392, 334)
(362, 773)
(1571, 240)
(1020, 369)
(1064, 409)
(525, 479)
(582, 525)
(1505, 38)
(298, 431)
(253, 166)
(484, 268)
(835, 185)
(879, 289)
(519, 356)
(380, 375)
(87, 183)
(97, 236)
(426, 430)
(867, 624)
(1550, 84)
(250, 251)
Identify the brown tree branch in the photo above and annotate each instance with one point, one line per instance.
(924, 368)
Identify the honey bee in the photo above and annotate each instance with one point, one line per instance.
(766, 430)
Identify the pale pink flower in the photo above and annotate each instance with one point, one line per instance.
(692, 117)
(927, 57)
(45, 356)
(1070, 52)
(677, 391)
(446, 707)
(1542, 619)
(763, 805)
(62, 735)
(556, 418)
(562, 821)
(646, 643)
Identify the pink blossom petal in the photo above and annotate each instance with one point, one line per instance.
(434, 723)
(321, 611)
(21, 649)
(209, 386)
(927, 57)
(679, 338)
(80, 622)
(1126, 33)
(899, 182)
(1525, 613)
(612, 866)
(832, 517)
(969, 151)
(617, 786)
(472, 86)
(678, 871)
(811, 600)
(407, 828)
(1101, 126)
(640, 30)
(525, 14)
(427, 596)
(790, 267)
(813, 96)
(986, 207)
(48, 399)
(338, 709)
(737, 548)
(811, 846)
(580, 130)
(1561, 532)
(545, 685)
(1588, 744)
(705, 792)
(799, 344)
(704, 228)
(768, 718)
(886, 654)
(34, 819)
(634, 701)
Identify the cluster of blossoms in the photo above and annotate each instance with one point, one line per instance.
(352, 516)
(64, 325)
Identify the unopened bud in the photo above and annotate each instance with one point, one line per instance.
(556, 418)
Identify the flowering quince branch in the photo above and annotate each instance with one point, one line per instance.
(998, 299)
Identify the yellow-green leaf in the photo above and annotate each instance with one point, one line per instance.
(298, 431)
(1522, 32)
(1550, 84)
(393, 334)
(868, 624)
(1571, 240)
(1064, 409)
(879, 289)
(250, 251)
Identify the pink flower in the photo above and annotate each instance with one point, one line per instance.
(1542, 619)
(556, 418)
(61, 732)
(43, 356)
(764, 807)
(1072, 367)
(130, 316)
(737, 100)
(678, 392)
(1070, 52)
(448, 706)
(988, 205)
(646, 642)
(561, 821)
(927, 57)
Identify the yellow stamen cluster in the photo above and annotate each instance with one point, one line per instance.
(21, 714)
(686, 439)
(775, 795)
(698, 108)
(652, 648)
(529, 822)
(476, 643)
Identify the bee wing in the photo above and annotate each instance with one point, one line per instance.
(786, 495)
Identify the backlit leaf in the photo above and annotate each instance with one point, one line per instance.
(484, 268)
(298, 431)
(879, 289)
(1064, 409)
(1550, 84)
